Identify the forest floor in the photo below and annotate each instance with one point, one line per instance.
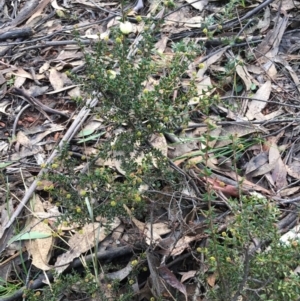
(201, 202)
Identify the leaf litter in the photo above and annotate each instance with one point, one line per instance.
(258, 99)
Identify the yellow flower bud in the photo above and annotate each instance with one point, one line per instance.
(82, 192)
(201, 65)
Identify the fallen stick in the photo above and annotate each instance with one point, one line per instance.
(17, 33)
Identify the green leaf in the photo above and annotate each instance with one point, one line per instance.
(253, 87)
(238, 88)
(28, 235)
(85, 132)
(5, 164)
(91, 137)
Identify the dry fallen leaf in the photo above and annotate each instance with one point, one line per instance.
(151, 231)
(187, 275)
(279, 171)
(58, 79)
(39, 249)
(183, 243)
(170, 278)
(198, 4)
(56, 6)
(85, 240)
(245, 76)
(157, 288)
(161, 45)
(256, 106)
(256, 162)
(211, 279)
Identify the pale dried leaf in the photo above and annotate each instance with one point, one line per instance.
(42, 5)
(292, 73)
(158, 141)
(160, 228)
(68, 55)
(118, 232)
(154, 5)
(161, 45)
(289, 191)
(270, 68)
(183, 243)
(3, 106)
(175, 23)
(263, 170)
(211, 279)
(187, 275)
(153, 232)
(236, 130)
(245, 76)
(19, 81)
(120, 274)
(279, 171)
(279, 174)
(6, 209)
(51, 129)
(112, 22)
(40, 249)
(25, 152)
(255, 106)
(23, 139)
(56, 6)
(90, 4)
(203, 87)
(185, 143)
(75, 93)
(285, 5)
(194, 22)
(293, 234)
(210, 61)
(198, 4)
(294, 170)
(274, 114)
(56, 79)
(268, 48)
(264, 23)
(140, 225)
(85, 240)
(44, 67)
(22, 73)
(2, 79)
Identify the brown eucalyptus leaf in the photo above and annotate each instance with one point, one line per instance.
(157, 287)
(257, 162)
(170, 278)
(294, 170)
